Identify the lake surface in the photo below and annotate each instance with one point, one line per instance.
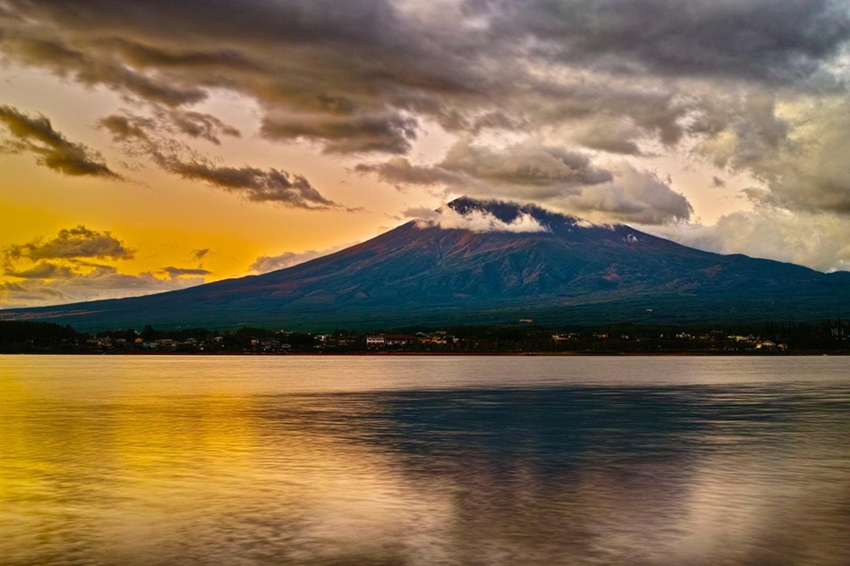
(384, 461)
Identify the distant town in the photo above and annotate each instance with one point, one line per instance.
(524, 337)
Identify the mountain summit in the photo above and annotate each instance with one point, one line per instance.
(478, 262)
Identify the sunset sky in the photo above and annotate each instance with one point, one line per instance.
(150, 145)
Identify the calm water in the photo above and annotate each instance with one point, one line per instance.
(417, 461)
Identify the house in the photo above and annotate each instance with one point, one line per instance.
(398, 339)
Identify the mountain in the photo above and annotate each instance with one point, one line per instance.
(569, 272)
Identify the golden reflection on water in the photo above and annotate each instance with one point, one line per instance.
(241, 461)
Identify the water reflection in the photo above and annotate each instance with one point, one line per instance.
(563, 473)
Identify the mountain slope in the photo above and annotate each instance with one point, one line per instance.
(571, 273)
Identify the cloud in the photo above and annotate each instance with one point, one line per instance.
(819, 241)
(200, 125)
(365, 76)
(751, 87)
(399, 171)
(632, 196)
(73, 243)
(178, 272)
(476, 220)
(265, 264)
(565, 180)
(35, 134)
(42, 270)
(390, 132)
(762, 40)
(172, 121)
(523, 164)
(257, 185)
(526, 170)
(354, 79)
(140, 136)
(99, 284)
(60, 270)
(200, 254)
(795, 150)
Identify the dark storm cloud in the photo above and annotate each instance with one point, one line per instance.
(35, 134)
(311, 57)
(762, 40)
(628, 77)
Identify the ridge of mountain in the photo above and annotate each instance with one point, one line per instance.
(568, 272)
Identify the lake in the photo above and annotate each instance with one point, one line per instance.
(405, 460)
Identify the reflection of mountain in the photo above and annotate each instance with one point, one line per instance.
(348, 462)
(606, 475)
(572, 272)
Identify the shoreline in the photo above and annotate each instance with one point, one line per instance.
(443, 354)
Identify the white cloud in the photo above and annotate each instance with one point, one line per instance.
(479, 221)
(99, 284)
(633, 196)
(819, 241)
(265, 264)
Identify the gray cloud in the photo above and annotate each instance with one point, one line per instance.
(264, 264)
(528, 169)
(766, 40)
(632, 196)
(84, 66)
(819, 241)
(73, 243)
(177, 272)
(354, 86)
(200, 254)
(42, 270)
(35, 134)
(561, 179)
(728, 79)
(172, 122)
(200, 125)
(523, 164)
(255, 184)
(386, 132)
(140, 136)
(399, 171)
(796, 152)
